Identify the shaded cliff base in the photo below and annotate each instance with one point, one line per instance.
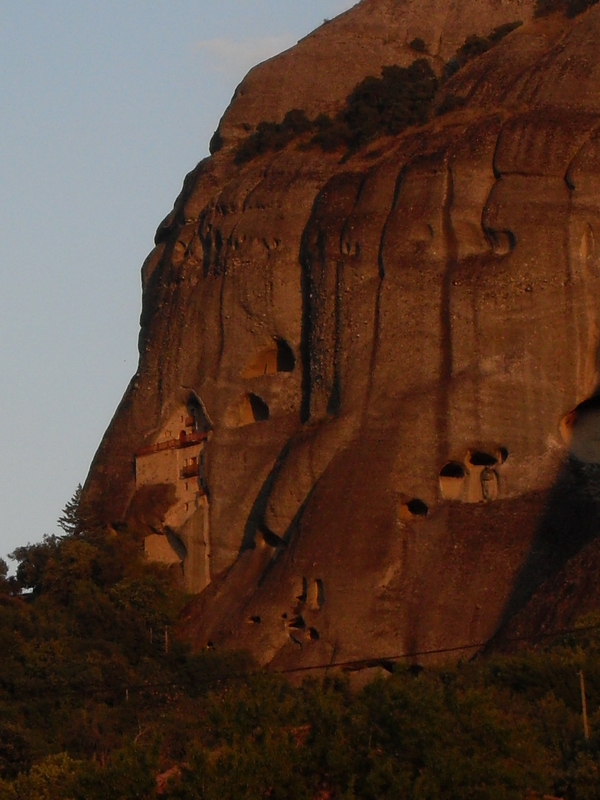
(466, 574)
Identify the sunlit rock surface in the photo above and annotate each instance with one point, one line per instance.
(377, 363)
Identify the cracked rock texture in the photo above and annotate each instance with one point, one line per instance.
(389, 352)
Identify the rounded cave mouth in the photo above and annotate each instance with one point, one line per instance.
(270, 538)
(453, 469)
(417, 507)
(260, 410)
(591, 403)
(580, 430)
(278, 357)
(248, 409)
(478, 458)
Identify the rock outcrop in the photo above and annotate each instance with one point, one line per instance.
(356, 420)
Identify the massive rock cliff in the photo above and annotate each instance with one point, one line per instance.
(364, 420)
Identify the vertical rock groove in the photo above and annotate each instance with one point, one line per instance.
(446, 346)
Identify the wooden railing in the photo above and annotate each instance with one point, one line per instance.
(185, 440)
(191, 471)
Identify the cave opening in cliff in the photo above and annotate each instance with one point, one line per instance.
(270, 539)
(477, 458)
(320, 593)
(249, 408)
(301, 597)
(286, 360)
(417, 507)
(278, 357)
(260, 410)
(412, 509)
(452, 470)
(452, 478)
(197, 417)
(580, 430)
(316, 595)
(502, 454)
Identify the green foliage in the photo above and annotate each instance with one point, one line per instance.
(271, 136)
(475, 46)
(128, 774)
(397, 100)
(400, 98)
(53, 778)
(418, 45)
(5, 582)
(571, 8)
(93, 707)
(503, 30)
(70, 520)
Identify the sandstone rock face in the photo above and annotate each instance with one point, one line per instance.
(362, 413)
(318, 73)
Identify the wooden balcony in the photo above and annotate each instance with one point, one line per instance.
(191, 471)
(184, 440)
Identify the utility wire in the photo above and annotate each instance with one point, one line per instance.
(357, 663)
(438, 651)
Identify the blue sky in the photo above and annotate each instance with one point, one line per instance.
(105, 108)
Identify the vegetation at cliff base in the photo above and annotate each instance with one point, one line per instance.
(100, 700)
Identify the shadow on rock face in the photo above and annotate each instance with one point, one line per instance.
(571, 521)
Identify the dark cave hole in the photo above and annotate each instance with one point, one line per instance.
(452, 470)
(197, 416)
(417, 507)
(480, 459)
(272, 539)
(255, 618)
(279, 357)
(260, 410)
(303, 594)
(320, 593)
(314, 634)
(286, 360)
(298, 622)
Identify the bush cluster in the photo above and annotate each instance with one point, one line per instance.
(569, 7)
(400, 98)
(273, 136)
(477, 45)
(93, 706)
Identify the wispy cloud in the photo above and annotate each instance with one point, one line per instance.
(235, 57)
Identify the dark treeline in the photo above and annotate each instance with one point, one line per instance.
(100, 701)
